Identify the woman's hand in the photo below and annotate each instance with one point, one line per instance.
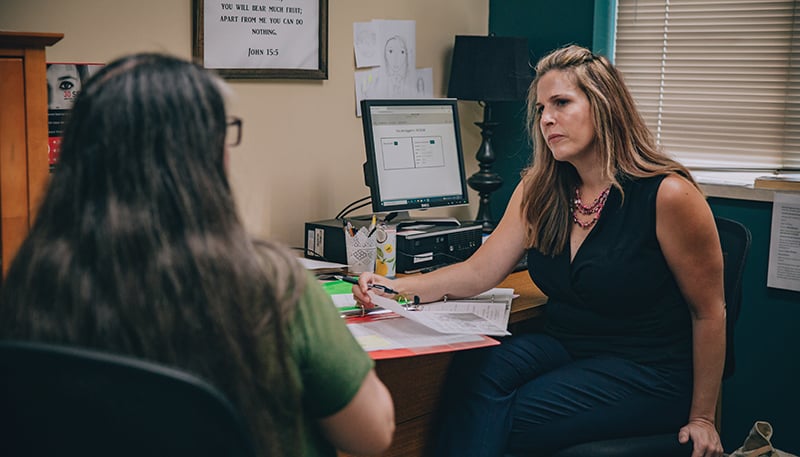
(364, 281)
(704, 436)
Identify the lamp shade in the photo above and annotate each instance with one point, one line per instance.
(489, 68)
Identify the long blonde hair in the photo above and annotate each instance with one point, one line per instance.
(625, 144)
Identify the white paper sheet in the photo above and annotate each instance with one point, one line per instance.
(453, 322)
(259, 36)
(401, 333)
(784, 244)
(365, 44)
(385, 51)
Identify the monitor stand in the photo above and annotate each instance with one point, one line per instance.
(403, 220)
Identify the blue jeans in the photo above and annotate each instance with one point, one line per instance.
(529, 397)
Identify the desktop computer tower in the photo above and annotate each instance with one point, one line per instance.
(324, 240)
(420, 246)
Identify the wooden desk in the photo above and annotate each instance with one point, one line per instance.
(416, 382)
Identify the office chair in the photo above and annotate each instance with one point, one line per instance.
(63, 401)
(735, 240)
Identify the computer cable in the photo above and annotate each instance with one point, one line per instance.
(347, 209)
(368, 202)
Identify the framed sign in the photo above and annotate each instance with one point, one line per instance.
(262, 38)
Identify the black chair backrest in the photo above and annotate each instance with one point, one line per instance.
(61, 401)
(735, 240)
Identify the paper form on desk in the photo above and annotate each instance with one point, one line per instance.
(387, 335)
(494, 305)
(459, 321)
(390, 336)
(397, 333)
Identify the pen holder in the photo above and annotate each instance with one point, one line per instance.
(361, 251)
(386, 252)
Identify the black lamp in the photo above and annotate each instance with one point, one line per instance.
(488, 69)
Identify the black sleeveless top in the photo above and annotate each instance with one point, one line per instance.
(618, 297)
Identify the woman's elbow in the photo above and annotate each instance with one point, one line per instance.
(366, 425)
(381, 426)
(384, 433)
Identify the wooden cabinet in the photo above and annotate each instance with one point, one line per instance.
(23, 134)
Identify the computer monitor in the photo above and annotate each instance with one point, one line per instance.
(414, 157)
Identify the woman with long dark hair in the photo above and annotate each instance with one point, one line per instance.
(137, 249)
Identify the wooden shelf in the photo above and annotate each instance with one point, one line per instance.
(28, 39)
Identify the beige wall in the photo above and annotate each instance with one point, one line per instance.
(302, 148)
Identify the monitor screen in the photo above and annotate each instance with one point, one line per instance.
(414, 158)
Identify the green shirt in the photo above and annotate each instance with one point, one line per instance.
(331, 363)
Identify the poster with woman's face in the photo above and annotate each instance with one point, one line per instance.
(64, 83)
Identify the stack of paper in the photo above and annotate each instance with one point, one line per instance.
(485, 314)
(399, 331)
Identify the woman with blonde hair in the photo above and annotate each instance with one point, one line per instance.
(621, 240)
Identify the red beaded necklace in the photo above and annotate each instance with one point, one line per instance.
(594, 209)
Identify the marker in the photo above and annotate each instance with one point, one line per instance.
(372, 227)
(380, 287)
(400, 298)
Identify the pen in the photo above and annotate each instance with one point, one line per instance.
(372, 227)
(381, 287)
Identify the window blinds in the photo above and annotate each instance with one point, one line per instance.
(716, 80)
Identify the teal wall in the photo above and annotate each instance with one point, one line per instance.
(766, 383)
(547, 25)
(767, 378)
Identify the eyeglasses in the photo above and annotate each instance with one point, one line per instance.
(233, 133)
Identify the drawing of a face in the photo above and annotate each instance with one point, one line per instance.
(396, 56)
(366, 42)
(63, 85)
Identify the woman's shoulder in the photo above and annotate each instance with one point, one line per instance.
(668, 183)
(679, 197)
(663, 191)
(676, 187)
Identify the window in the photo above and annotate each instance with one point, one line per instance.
(716, 80)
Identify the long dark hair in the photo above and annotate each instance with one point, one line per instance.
(137, 247)
(627, 148)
